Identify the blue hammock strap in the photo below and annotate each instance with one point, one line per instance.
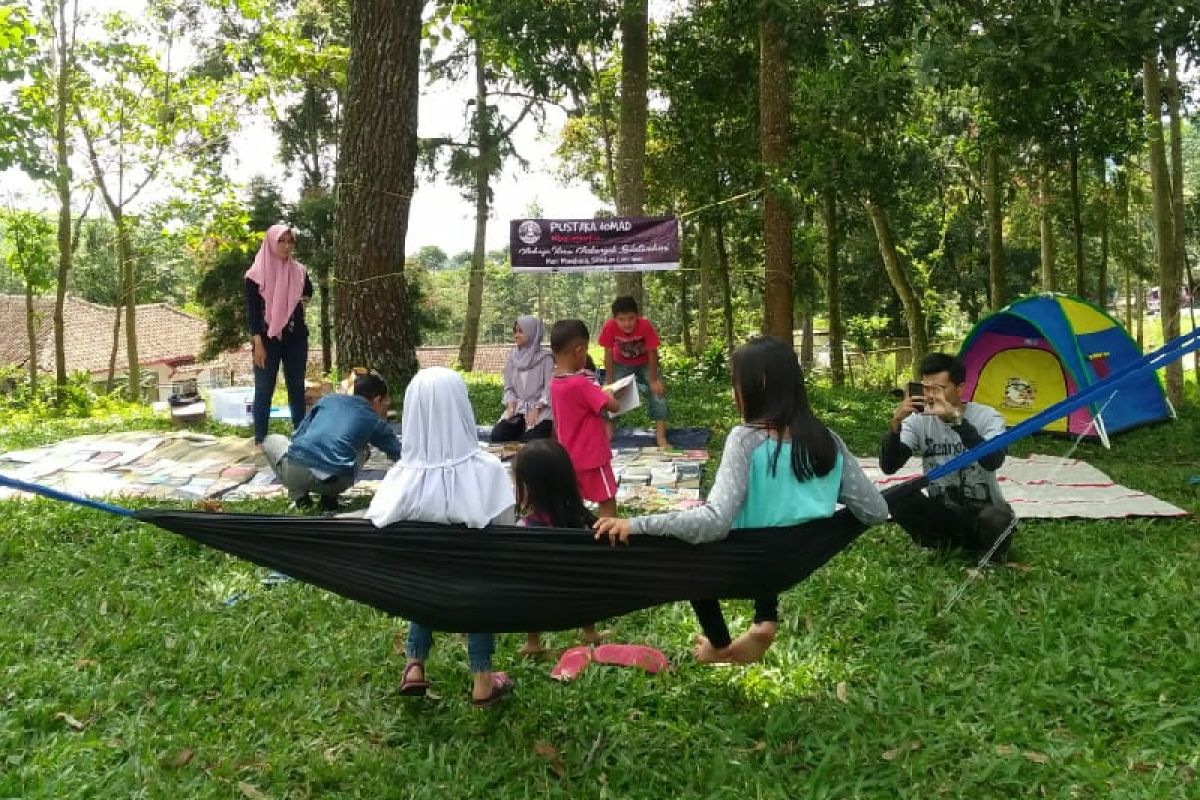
(58, 494)
(1173, 350)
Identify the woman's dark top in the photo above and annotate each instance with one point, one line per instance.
(256, 312)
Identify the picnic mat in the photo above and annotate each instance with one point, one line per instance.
(186, 466)
(1049, 487)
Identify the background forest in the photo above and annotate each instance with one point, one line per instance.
(880, 173)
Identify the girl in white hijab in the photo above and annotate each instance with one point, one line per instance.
(527, 375)
(442, 476)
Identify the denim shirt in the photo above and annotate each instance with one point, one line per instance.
(338, 426)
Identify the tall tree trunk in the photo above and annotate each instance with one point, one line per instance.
(129, 281)
(726, 285)
(914, 314)
(1046, 218)
(1164, 241)
(111, 382)
(1179, 227)
(374, 319)
(774, 92)
(995, 211)
(1125, 246)
(685, 316)
(31, 330)
(1102, 275)
(631, 133)
(807, 288)
(833, 291)
(483, 157)
(65, 58)
(702, 300)
(1077, 219)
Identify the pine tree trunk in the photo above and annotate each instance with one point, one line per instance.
(1102, 276)
(484, 155)
(1046, 217)
(125, 253)
(1177, 209)
(995, 211)
(111, 383)
(773, 101)
(374, 319)
(1164, 241)
(685, 315)
(914, 314)
(726, 285)
(631, 133)
(806, 289)
(31, 331)
(833, 291)
(702, 300)
(1077, 220)
(64, 56)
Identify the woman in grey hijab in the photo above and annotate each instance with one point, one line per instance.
(527, 373)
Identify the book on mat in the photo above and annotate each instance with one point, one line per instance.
(626, 393)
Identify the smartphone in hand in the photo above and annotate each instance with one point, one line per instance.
(916, 391)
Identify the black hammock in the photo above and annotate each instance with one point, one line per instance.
(520, 579)
(512, 579)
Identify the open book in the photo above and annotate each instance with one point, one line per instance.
(626, 393)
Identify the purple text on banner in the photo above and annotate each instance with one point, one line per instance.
(611, 244)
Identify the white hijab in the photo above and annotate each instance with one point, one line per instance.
(442, 475)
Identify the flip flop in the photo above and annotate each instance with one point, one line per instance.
(410, 687)
(632, 655)
(502, 685)
(571, 663)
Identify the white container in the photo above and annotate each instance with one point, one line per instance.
(233, 406)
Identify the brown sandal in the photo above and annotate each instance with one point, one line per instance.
(410, 687)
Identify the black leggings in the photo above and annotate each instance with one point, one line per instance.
(512, 430)
(712, 620)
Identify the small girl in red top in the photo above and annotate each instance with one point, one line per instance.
(579, 426)
(548, 497)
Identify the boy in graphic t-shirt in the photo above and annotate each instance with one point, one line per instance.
(963, 509)
(631, 347)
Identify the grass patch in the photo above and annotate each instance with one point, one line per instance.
(125, 674)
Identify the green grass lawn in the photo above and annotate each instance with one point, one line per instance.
(1076, 675)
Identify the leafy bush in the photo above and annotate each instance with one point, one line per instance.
(79, 397)
(710, 365)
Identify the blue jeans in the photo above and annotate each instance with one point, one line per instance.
(480, 647)
(656, 407)
(292, 352)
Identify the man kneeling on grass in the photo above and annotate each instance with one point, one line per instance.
(330, 446)
(966, 508)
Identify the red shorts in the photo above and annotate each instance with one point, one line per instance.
(597, 484)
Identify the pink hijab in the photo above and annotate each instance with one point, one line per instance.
(280, 282)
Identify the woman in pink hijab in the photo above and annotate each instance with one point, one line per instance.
(277, 287)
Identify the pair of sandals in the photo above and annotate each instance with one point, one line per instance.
(574, 660)
(502, 685)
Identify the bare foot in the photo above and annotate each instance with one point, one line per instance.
(704, 652)
(532, 647)
(752, 645)
(589, 635)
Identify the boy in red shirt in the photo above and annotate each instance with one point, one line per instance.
(578, 425)
(631, 347)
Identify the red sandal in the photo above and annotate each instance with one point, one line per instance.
(410, 687)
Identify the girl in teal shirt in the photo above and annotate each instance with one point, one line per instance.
(781, 468)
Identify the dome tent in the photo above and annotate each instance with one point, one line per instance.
(1040, 349)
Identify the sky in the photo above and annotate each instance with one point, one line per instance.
(440, 215)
